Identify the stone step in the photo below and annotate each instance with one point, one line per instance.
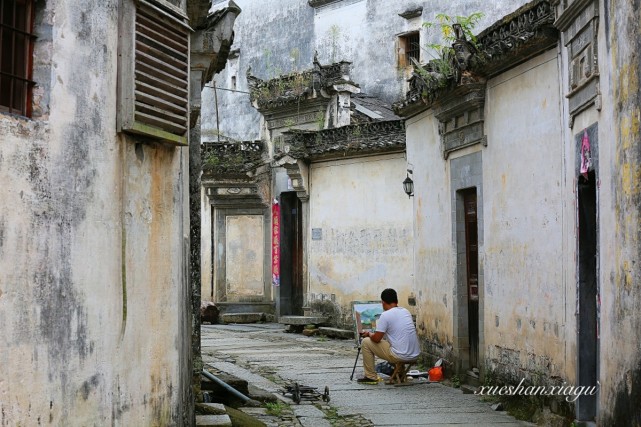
(472, 378)
(302, 320)
(211, 408)
(337, 333)
(468, 389)
(242, 317)
(213, 421)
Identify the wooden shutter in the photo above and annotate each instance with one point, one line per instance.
(154, 71)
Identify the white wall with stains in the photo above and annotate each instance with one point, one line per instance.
(276, 37)
(93, 244)
(365, 222)
(526, 267)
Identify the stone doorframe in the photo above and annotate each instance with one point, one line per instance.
(232, 198)
(298, 173)
(466, 172)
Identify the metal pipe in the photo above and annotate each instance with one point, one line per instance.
(226, 386)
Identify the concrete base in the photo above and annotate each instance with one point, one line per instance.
(242, 317)
(302, 320)
(213, 421)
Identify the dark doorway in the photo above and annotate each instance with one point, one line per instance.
(588, 250)
(472, 261)
(291, 255)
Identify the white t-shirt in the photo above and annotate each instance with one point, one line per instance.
(399, 330)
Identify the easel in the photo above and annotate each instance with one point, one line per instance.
(356, 361)
(359, 308)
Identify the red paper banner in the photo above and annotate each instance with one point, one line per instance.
(276, 244)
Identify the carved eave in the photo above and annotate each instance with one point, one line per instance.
(516, 38)
(235, 193)
(461, 117)
(569, 14)
(232, 159)
(346, 141)
(512, 40)
(209, 49)
(300, 88)
(298, 173)
(579, 24)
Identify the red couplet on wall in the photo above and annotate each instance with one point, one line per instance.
(276, 244)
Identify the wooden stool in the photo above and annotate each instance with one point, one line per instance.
(400, 371)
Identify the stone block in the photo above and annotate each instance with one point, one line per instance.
(211, 408)
(242, 317)
(213, 421)
(337, 333)
(302, 320)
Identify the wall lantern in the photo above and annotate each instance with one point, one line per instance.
(408, 184)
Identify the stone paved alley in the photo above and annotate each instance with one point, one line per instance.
(267, 357)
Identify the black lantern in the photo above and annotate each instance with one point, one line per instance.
(408, 184)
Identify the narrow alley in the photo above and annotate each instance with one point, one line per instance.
(268, 358)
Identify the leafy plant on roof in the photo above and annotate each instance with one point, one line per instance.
(441, 67)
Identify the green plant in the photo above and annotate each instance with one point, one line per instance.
(442, 53)
(456, 381)
(276, 408)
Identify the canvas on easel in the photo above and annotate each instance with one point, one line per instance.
(365, 314)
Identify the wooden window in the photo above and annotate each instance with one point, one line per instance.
(409, 46)
(154, 71)
(16, 52)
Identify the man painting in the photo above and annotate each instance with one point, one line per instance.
(395, 339)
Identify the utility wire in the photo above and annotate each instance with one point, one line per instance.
(229, 90)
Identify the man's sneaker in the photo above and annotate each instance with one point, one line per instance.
(366, 380)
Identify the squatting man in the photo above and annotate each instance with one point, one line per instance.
(395, 339)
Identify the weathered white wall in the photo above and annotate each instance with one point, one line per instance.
(619, 208)
(206, 249)
(529, 286)
(93, 242)
(244, 256)
(434, 256)
(526, 267)
(280, 36)
(366, 222)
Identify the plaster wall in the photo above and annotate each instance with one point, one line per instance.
(528, 271)
(619, 207)
(525, 266)
(434, 254)
(93, 244)
(365, 222)
(206, 250)
(280, 36)
(244, 255)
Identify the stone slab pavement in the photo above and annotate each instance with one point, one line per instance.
(269, 358)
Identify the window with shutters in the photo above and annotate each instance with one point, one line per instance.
(154, 71)
(16, 52)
